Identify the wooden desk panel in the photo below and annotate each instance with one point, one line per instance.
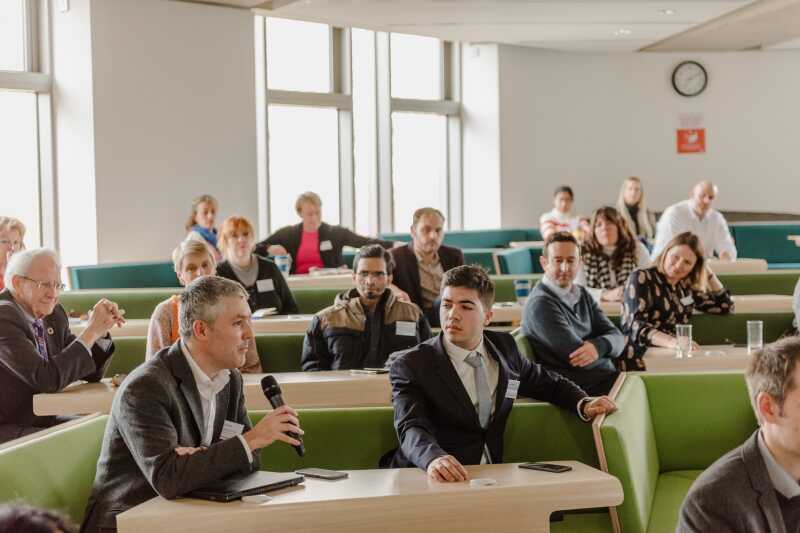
(708, 358)
(331, 281)
(741, 265)
(392, 500)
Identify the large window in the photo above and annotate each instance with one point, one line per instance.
(12, 35)
(416, 67)
(298, 56)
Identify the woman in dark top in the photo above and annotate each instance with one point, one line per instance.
(313, 244)
(632, 207)
(658, 298)
(265, 284)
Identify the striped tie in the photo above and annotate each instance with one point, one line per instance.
(41, 342)
(482, 385)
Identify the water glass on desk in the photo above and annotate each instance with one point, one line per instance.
(755, 336)
(522, 289)
(683, 332)
(284, 263)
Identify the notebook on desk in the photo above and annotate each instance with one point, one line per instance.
(256, 483)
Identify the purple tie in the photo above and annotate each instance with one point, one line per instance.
(41, 343)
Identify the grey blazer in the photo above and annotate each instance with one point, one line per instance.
(156, 410)
(734, 495)
(24, 373)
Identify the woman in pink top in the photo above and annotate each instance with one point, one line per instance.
(313, 244)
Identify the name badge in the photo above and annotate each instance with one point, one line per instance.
(687, 300)
(406, 329)
(512, 389)
(324, 246)
(230, 429)
(265, 285)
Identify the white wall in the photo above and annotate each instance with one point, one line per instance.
(589, 120)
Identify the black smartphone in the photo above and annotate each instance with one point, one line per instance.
(545, 467)
(322, 473)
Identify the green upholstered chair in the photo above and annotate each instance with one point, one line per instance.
(668, 429)
(483, 238)
(769, 242)
(123, 276)
(138, 303)
(55, 470)
(504, 285)
(129, 353)
(481, 256)
(772, 282)
(310, 301)
(518, 261)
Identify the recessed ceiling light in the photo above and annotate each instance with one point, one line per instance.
(622, 32)
(668, 12)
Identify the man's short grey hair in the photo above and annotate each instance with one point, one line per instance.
(201, 298)
(20, 263)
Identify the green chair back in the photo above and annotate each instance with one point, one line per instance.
(280, 352)
(137, 303)
(310, 301)
(123, 275)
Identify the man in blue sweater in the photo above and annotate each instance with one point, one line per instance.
(568, 332)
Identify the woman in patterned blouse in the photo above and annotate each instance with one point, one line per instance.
(610, 254)
(658, 298)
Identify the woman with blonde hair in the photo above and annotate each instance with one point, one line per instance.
(632, 207)
(657, 299)
(12, 233)
(200, 224)
(191, 259)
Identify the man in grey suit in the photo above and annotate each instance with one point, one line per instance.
(754, 488)
(38, 353)
(179, 422)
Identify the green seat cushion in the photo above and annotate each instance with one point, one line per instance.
(671, 490)
(767, 241)
(481, 256)
(593, 522)
(310, 301)
(767, 283)
(137, 303)
(280, 352)
(124, 276)
(55, 471)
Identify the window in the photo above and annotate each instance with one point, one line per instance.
(19, 162)
(419, 165)
(303, 156)
(298, 55)
(12, 35)
(416, 67)
(364, 126)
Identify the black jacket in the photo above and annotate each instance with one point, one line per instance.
(342, 336)
(338, 237)
(279, 297)
(406, 268)
(434, 416)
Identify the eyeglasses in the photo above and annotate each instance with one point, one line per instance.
(364, 274)
(55, 285)
(14, 245)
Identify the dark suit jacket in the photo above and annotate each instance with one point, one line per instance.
(24, 373)
(156, 410)
(734, 495)
(280, 297)
(406, 268)
(434, 416)
(339, 236)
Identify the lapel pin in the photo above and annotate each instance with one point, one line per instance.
(50, 331)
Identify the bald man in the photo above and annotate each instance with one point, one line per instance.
(697, 215)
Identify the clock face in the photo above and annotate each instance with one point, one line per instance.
(689, 78)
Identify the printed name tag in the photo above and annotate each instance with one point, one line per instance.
(230, 429)
(325, 246)
(265, 285)
(687, 300)
(406, 329)
(512, 389)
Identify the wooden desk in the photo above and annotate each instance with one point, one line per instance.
(392, 500)
(329, 281)
(137, 327)
(526, 244)
(709, 358)
(337, 388)
(741, 266)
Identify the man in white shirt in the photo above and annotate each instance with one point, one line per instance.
(754, 487)
(179, 421)
(453, 393)
(697, 215)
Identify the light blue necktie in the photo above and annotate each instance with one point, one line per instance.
(482, 385)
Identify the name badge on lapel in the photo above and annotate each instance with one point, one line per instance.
(687, 300)
(406, 329)
(230, 429)
(265, 285)
(512, 389)
(324, 246)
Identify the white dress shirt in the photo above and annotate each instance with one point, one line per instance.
(782, 480)
(712, 229)
(208, 388)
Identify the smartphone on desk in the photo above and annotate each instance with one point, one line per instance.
(546, 467)
(322, 473)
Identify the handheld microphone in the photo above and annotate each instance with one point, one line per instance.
(273, 393)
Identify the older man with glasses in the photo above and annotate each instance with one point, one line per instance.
(38, 353)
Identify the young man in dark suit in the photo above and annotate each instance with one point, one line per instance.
(179, 422)
(452, 394)
(420, 265)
